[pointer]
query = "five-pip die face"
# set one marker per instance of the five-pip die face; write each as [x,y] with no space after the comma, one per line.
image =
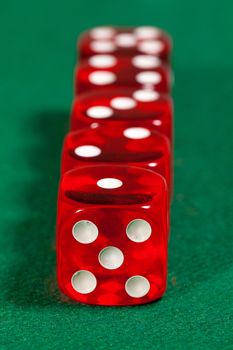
[112,235]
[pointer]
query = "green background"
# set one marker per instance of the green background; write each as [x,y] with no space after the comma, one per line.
[37,54]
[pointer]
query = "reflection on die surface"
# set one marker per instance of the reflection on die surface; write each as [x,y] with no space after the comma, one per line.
[112,234]
[134,146]
[125,41]
[125,106]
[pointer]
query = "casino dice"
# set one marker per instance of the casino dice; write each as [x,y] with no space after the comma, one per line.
[108,71]
[112,235]
[117,169]
[125,41]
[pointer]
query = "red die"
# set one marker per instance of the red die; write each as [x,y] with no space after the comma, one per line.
[125,41]
[130,146]
[127,107]
[108,71]
[112,235]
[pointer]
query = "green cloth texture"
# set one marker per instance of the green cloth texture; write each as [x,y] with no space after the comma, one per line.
[37,56]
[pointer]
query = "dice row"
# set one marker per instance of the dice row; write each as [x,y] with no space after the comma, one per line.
[116,169]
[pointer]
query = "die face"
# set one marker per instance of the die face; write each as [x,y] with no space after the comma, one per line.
[83,185]
[108,71]
[123,107]
[131,146]
[125,41]
[126,258]
[105,237]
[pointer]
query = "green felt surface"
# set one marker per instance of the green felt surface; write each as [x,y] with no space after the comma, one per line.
[37,55]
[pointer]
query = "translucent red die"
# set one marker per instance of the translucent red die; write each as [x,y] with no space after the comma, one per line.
[108,71]
[134,146]
[127,107]
[125,41]
[112,235]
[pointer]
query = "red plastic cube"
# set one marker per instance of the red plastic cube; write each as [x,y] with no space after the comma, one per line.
[135,146]
[127,107]
[112,235]
[125,41]
[108,71]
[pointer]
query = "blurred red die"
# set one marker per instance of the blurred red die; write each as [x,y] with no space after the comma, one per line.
[125,41]
[127,107]
[108,71]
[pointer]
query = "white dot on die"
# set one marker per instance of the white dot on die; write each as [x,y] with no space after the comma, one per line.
[136,133]
[137,286]
[146,95]
[87,151]
[109,183]
[83,281]
[102,46]
[85,231]
[147,32]
[111,258]
[138,230]
[125,40]
[151,46]
[102,78]
[122,103]
[99,112]
[102,32]
[102,61]
[146,61]
[148,77]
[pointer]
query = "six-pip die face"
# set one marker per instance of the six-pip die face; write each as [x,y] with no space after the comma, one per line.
[127,107]
[125,41]
[112,235]
[109,71]
[134,146]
